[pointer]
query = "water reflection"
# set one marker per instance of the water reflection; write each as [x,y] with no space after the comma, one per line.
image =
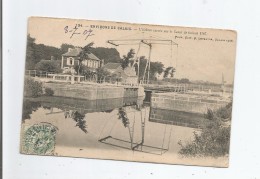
[124,122]
[122,116]
[178,118]
[76,109]
[80,119]
[29,107]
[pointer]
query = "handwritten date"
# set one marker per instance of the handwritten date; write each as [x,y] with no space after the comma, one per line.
[79,29]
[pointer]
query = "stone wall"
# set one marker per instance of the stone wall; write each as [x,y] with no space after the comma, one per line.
[88,92]
[180,103]
[95,91]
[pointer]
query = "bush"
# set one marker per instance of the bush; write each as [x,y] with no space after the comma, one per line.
[221,113]
[224,112]
[212,141]
[209,115]
[214,138]
[32,88]
[49,92]
[49,66]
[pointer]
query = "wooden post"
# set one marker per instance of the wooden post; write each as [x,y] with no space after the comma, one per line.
[72,79]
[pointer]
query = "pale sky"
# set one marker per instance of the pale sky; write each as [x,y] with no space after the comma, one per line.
[194,59]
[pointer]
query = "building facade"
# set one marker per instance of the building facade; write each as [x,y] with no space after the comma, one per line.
[127,76]
[71,58]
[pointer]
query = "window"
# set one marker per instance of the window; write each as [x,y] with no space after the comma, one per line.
[70,61]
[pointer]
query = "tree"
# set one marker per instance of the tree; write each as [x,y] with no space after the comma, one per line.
[175,80]
[48,66]
[101,74]
[84,70]
[155,67]
[84,54]
[65,47]
[36,52]
[169,71]
[80,121]
[126,58]
[110,55]
[122,115]
[29,63]
[46,52]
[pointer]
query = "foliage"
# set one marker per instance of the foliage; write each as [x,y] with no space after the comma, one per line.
[36,52]
[30,54]
[183,80]
[224,112]
[110,55]
[221,113]
[65,47]
[84,70]
[175,80]
[49,92]
[209,115]
[81,122]
[206,83]
[28,108]
[123,116]
[155,68]
[126,58]
[32,88]
[214,138]
[46,52]
[169,71]
[84,54]
[101,74]
[213,141]
[48,65]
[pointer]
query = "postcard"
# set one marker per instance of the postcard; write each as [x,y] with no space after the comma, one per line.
[131,92]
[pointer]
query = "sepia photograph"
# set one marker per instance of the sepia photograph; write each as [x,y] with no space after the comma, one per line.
[131,92]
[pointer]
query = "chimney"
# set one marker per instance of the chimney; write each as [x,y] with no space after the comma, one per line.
[69,49]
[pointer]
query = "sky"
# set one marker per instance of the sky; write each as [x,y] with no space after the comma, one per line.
[196,53]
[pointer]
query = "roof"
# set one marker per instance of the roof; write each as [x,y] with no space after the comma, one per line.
[112,66]
[76,52]
[73,52]
[129,71]
[93,57]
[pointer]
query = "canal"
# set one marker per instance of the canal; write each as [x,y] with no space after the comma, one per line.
[112,128]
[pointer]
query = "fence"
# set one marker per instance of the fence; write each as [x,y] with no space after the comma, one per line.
[187,87]
[37,73]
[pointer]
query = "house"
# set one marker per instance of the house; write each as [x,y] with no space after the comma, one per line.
[71,58]
[127,76]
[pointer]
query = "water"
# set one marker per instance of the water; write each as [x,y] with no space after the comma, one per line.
[98,128]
